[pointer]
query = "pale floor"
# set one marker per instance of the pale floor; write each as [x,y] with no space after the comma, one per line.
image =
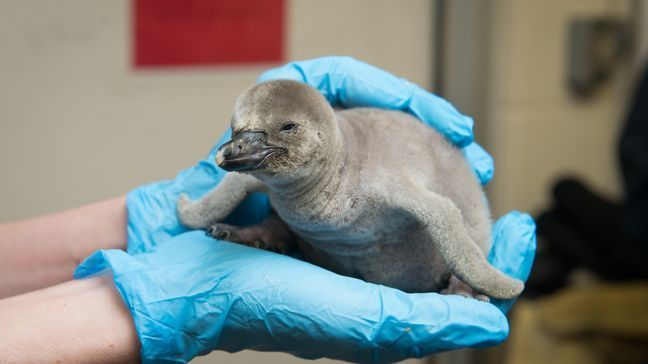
[254,357]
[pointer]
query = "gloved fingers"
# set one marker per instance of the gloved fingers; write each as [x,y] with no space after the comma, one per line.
[391,326]
[152,216]
[436,323]
[480,161]
[347,82]
[338,317]
[193,294]
[513,250]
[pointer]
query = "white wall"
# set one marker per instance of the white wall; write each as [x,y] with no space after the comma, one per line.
[536,130]
[77,124]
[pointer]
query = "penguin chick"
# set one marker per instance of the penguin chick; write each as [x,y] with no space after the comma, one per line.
[369,193]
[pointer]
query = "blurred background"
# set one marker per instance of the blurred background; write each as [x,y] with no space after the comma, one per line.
[90,108]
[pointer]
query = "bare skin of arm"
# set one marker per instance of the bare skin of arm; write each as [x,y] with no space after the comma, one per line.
[82,321]
[43,251]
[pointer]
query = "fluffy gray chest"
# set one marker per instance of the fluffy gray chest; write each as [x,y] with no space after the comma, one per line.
[365,239]
[343,224]
[320,215]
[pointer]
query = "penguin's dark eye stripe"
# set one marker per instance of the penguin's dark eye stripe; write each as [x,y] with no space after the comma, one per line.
[288,127]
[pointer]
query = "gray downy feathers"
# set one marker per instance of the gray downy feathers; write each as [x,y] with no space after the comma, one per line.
[370,193]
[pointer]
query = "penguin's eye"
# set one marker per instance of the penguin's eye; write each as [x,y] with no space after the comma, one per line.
[288,127]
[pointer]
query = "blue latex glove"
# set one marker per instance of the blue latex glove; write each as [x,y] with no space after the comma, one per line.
[212,303]
[347,82]
[192,294]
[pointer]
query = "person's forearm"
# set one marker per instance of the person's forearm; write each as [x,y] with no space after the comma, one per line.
[83,321]
[43,251]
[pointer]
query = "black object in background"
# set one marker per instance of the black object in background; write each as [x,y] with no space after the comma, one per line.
[633,156]
[585,230]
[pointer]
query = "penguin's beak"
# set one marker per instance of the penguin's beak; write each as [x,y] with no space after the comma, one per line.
[248,150]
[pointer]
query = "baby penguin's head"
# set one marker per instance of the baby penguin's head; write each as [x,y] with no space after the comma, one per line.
[280,129]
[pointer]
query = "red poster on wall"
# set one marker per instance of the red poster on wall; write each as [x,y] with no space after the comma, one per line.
[207,32]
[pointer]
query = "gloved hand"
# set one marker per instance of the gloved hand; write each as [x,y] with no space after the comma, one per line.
[193,294]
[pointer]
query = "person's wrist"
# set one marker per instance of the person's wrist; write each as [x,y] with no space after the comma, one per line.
[83,319]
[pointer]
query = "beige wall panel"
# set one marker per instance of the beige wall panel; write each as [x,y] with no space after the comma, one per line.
[543,148]
[393,35]
[537,40]
[536,129]
[77,124]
